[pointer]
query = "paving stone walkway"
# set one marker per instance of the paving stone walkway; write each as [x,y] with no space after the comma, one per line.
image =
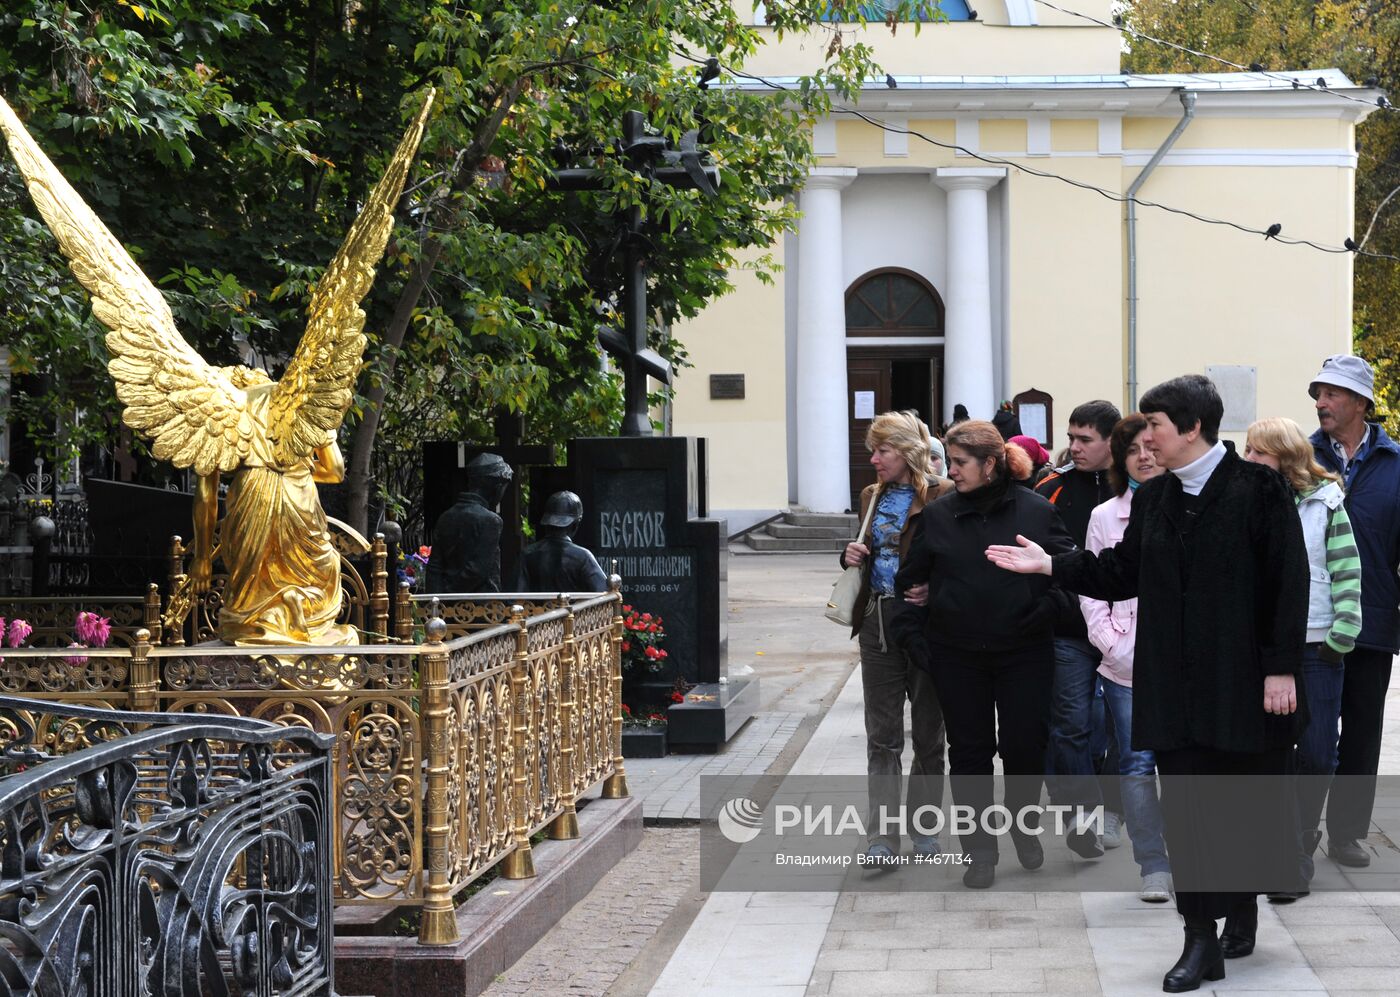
[814,944]
[669,787]
[594,942]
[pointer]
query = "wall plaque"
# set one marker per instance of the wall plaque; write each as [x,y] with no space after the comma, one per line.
[726,385]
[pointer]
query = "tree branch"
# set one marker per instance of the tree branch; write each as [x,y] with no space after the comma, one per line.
[360,466]
[1370,228]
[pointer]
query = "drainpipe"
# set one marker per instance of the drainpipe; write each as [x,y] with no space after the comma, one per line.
[1188,104]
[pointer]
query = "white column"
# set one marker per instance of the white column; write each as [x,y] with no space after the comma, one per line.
[967,349]
[823,429]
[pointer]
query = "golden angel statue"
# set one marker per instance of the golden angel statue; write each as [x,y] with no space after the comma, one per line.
[276,439]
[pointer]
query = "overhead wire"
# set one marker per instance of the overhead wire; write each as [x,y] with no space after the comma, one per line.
[1104,192]
[1125,28]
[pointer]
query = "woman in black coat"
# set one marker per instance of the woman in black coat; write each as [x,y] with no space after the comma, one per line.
[986,636]
[1214,554]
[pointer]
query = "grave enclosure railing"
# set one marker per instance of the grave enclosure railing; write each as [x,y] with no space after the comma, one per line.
[149,854]
[449,754]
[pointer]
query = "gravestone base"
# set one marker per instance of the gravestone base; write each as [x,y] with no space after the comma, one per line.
[712,713]
[643,742]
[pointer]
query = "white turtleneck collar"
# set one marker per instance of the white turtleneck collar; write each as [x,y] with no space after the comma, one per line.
[1194,475]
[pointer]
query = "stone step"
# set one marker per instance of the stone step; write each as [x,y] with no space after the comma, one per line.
[759,541]
[845,520]
[784,531]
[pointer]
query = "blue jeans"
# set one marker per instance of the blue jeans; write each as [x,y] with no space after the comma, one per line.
[1071,722]
[1316,757]
[1138,782]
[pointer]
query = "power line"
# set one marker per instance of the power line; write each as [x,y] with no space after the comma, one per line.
[1045,174]
[1123,27]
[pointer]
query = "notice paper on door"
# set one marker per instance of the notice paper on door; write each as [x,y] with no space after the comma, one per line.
[865,404]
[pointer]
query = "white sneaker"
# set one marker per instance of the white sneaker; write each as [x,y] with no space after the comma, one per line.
[1112,829]
[1156,888]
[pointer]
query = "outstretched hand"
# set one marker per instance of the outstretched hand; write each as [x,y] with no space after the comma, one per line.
[1027,559]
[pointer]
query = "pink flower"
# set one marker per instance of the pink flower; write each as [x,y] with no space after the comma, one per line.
[93,630]
[75,660]
[19,631]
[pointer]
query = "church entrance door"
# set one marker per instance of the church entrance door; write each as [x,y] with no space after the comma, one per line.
[894,357]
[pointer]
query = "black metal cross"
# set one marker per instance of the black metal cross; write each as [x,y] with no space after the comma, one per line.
[650,156]
[510,427]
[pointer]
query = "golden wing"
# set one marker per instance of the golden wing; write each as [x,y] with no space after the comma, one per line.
[311,399]
[196,417]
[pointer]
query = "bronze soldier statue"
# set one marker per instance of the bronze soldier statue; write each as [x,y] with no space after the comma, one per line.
[554,563]
[467,537]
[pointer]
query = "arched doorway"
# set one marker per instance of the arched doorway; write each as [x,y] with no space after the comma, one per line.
[894,356]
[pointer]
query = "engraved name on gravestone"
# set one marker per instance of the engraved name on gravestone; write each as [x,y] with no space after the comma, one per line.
[658,574]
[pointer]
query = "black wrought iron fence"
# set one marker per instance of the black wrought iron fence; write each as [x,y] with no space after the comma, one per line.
[143,853]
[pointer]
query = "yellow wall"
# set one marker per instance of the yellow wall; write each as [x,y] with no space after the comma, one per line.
[740,333]
[960,48]
[1065,274]
[1070,135]
[1239,133]
[1211,295]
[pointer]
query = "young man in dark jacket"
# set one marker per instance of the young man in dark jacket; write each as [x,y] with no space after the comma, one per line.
[1074,490]
[1369,463]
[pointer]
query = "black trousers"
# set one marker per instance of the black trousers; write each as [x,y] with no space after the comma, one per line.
[1353,793]
[1229,820]
[994,703]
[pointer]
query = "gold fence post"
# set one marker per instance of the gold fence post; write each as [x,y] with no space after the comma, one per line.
[143,679]
[565,826]
[403,614]
[438,924]
[520,863]
[379,590]
[615,785]
[176,636]
[152,611]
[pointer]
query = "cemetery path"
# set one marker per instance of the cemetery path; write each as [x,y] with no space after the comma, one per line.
[812,944]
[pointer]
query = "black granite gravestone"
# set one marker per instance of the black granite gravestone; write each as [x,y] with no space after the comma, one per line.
[644,517]
[131,528]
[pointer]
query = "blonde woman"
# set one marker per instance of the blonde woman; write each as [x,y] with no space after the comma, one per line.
[1334,610]
[900,450]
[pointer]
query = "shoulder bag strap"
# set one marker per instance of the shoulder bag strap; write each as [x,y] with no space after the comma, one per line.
[869,514]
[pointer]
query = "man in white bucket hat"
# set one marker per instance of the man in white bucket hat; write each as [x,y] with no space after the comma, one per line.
[1369,464]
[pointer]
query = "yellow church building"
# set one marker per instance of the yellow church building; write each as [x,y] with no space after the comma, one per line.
[922,276]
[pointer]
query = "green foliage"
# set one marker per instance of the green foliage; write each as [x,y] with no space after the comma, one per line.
[230,142]
[1363,40]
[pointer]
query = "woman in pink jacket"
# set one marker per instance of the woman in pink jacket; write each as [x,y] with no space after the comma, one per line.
[1113,630]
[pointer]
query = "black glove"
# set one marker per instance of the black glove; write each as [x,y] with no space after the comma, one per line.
[1330,654]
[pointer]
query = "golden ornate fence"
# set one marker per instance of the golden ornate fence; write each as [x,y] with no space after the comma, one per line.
[450,754]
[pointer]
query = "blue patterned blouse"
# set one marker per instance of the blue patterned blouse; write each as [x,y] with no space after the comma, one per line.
[889,519]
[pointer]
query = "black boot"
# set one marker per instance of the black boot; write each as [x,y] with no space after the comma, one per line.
[1238,937]
[1200,959]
